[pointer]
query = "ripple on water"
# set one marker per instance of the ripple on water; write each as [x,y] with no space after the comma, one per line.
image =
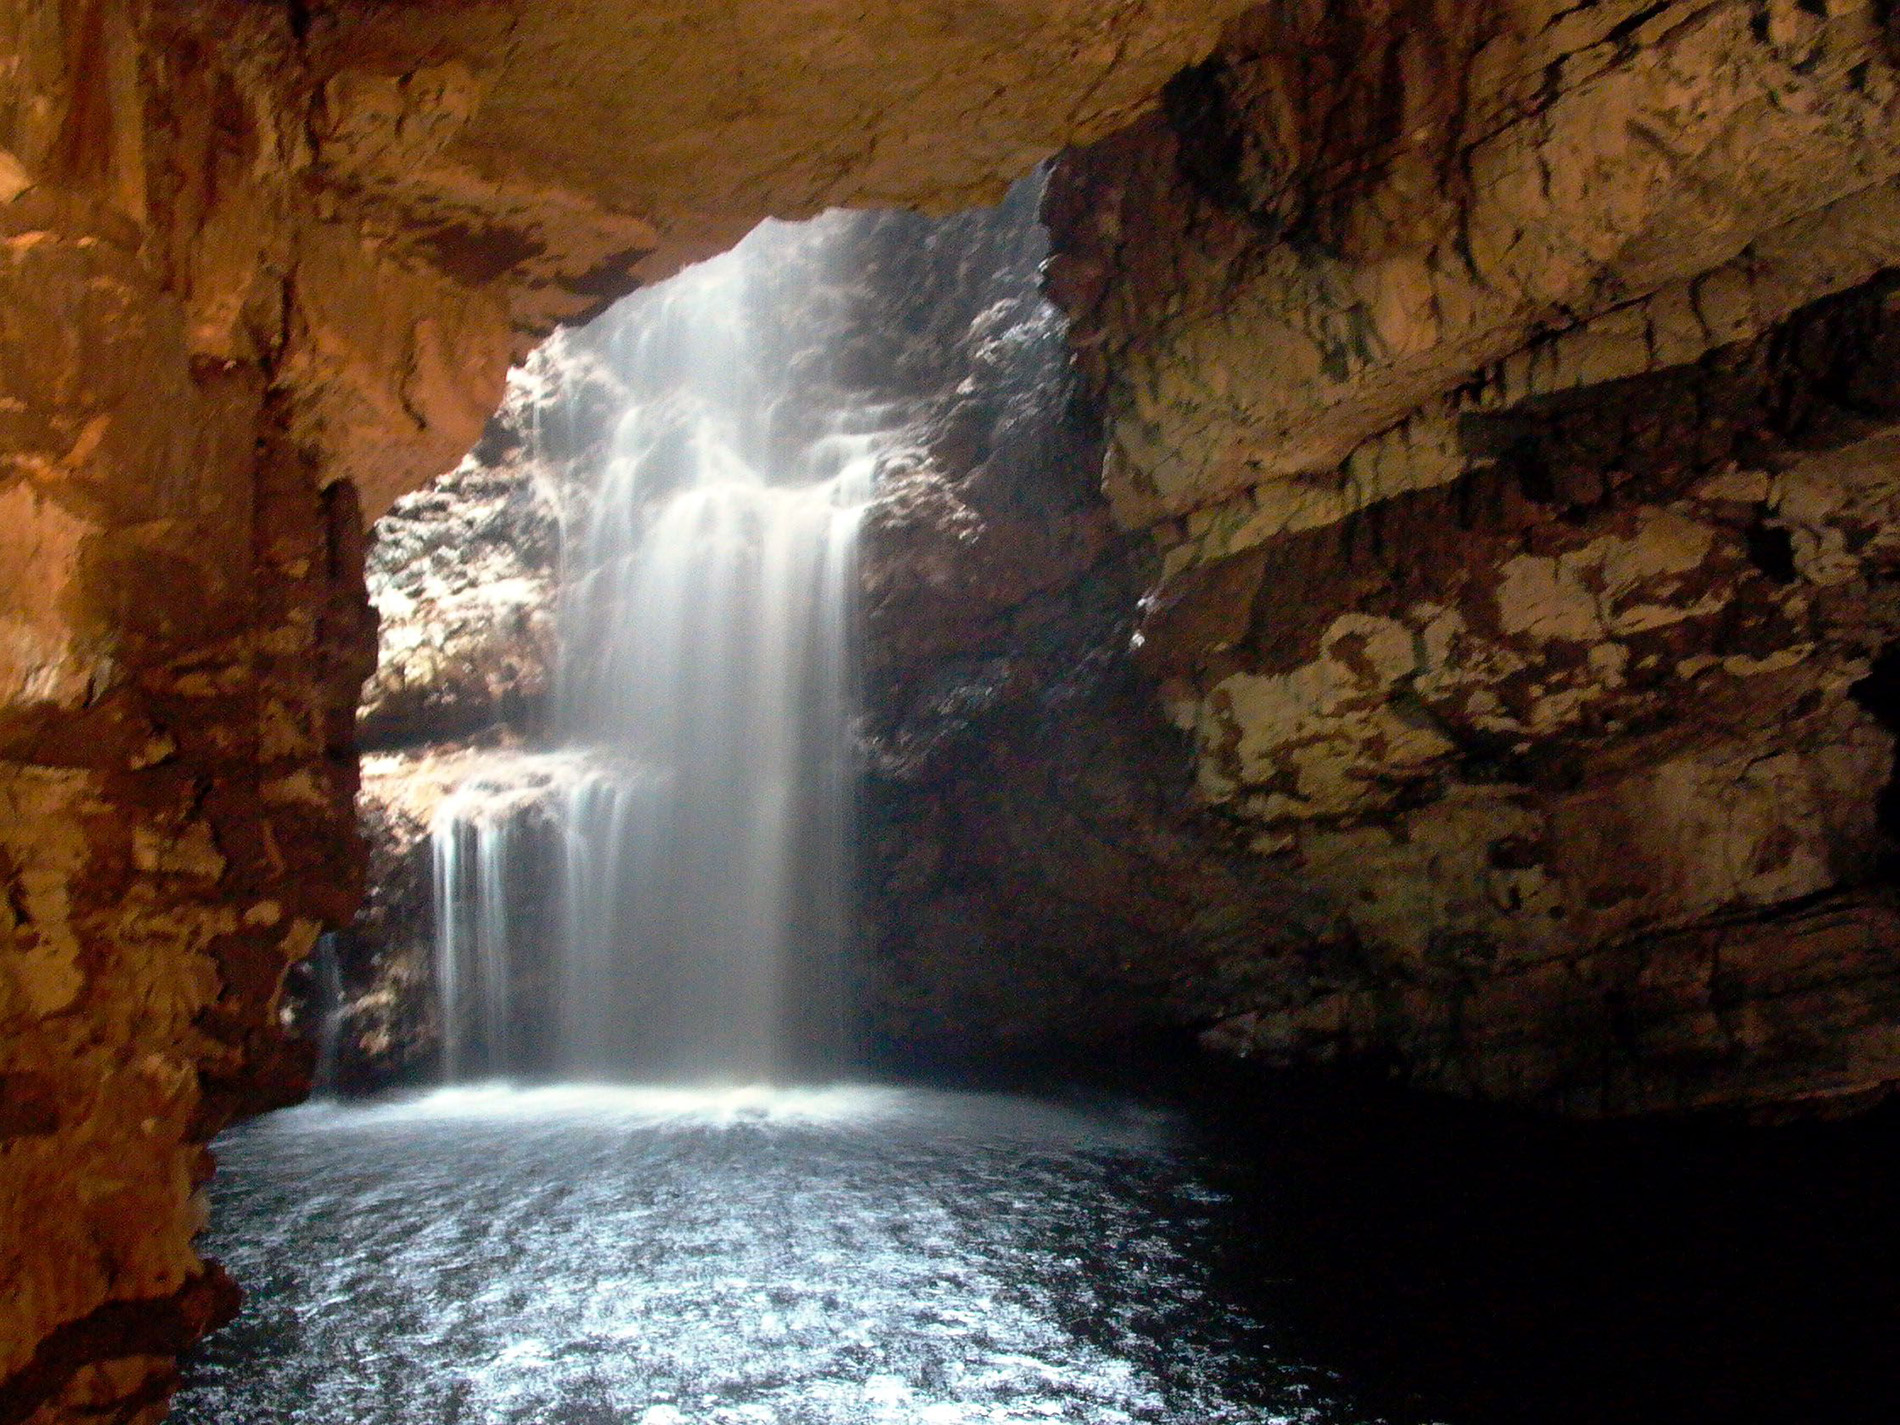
[581,1255]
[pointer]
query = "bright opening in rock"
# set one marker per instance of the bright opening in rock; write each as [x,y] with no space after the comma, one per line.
[1047,813]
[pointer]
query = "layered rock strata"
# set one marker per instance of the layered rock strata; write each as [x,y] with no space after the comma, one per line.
[265,268]
[1505,389]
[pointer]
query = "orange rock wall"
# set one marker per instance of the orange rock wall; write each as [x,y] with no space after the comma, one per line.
[182,633]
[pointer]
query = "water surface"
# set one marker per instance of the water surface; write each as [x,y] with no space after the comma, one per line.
[667,1256]
[652,1257]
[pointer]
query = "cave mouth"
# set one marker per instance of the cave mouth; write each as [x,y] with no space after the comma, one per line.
[617,744]
[621,1233]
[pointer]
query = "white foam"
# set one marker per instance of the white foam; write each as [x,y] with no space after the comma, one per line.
[933,1113]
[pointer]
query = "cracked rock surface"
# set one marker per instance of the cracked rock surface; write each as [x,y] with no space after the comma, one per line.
[1506,392]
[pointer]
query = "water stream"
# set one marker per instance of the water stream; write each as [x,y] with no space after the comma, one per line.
[701,786]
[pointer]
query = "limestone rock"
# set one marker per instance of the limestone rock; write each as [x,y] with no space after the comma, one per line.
[1519,490]
[462,577]
[1614,184]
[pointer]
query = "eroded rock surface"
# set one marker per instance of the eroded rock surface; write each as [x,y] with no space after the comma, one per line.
[1357,223]
[462,577]
[1505,388]
[1039,875]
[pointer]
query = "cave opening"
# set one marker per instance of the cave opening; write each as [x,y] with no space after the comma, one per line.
[1365,771]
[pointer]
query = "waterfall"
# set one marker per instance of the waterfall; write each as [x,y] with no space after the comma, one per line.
[330,1008]
[701,793]
[476,872]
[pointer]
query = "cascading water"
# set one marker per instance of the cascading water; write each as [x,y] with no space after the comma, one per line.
[477,869]
[703,790]
[329,1003]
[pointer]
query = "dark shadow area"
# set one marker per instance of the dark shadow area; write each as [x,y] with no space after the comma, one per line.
[1470,1265]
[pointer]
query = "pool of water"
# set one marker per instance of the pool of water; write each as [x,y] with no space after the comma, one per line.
[579,1256]
[732,1258]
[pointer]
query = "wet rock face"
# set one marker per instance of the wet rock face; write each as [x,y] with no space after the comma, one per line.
[265,269]
[383,1008]
[1520,499]
[1039,877]
[462,576]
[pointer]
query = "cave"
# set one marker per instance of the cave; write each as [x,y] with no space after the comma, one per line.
[1177,710]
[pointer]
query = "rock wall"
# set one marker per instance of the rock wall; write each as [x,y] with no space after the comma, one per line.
[1505,389]
[183,636]
[1040,878]
[265,268]
[462,577]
